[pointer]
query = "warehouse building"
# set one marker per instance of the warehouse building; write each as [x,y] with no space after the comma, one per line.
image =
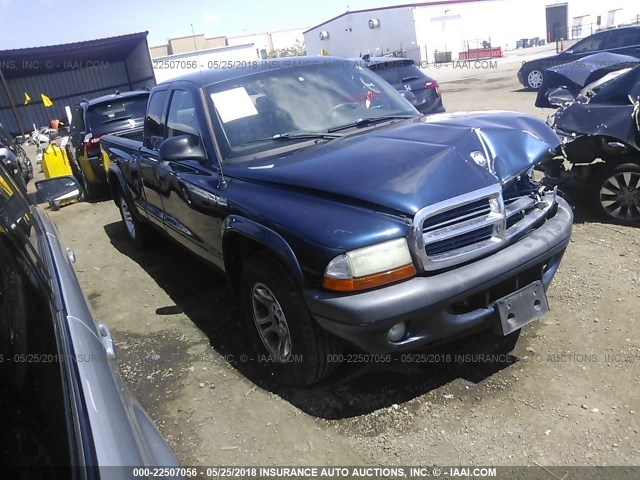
[442,30]
[264,44]
[66,74]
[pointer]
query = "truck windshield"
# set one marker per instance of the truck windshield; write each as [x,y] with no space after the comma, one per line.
[258,111]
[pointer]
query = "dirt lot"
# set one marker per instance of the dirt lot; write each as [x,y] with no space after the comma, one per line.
[567,396]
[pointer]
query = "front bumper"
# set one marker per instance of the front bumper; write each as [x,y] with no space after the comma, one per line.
[446,305]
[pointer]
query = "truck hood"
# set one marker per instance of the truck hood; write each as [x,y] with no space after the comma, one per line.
[414,163]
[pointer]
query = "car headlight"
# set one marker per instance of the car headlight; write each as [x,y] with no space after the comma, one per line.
[370,267]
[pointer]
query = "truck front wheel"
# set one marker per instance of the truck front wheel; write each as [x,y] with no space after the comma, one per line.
[295,348]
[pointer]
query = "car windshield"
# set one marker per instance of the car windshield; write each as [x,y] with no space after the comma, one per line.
[102,115]
[397,72]
[266,109]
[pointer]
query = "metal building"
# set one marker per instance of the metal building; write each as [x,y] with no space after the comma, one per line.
[429,30]
[68,73]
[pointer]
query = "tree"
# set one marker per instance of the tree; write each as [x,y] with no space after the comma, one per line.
[297,50]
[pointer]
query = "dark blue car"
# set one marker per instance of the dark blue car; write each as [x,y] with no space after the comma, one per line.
[623,40]
[341,216]
[402,74]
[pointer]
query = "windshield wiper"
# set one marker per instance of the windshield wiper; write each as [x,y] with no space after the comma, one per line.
[295,136]
[407,79]
[305,135]
[126,117]
[363,122]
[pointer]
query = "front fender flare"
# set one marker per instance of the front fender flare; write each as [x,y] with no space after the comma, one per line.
[266,237]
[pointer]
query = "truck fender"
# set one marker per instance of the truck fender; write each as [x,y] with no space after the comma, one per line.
[263,236]
[117,182]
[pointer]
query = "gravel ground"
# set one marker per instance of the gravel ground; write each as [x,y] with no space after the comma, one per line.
[566,396]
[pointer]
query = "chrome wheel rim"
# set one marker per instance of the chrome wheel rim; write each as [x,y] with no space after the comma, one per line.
[270,322]
[620,196]
[127,218]
[535,79]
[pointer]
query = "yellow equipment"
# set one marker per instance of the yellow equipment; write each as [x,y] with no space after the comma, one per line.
[55,162]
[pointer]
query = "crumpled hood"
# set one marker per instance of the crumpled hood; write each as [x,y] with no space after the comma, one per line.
[576,75]
[605,114]
[412,164]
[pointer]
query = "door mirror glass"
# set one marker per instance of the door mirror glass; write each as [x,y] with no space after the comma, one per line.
[58,191]
[559,96]
[182,147]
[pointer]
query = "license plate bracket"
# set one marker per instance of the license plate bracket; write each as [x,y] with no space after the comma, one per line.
[522,307]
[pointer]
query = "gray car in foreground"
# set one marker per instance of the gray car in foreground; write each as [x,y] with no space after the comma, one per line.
[64,410]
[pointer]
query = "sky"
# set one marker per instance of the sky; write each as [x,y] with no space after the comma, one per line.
[33,23]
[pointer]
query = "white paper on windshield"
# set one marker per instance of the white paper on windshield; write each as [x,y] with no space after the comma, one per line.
[233,104]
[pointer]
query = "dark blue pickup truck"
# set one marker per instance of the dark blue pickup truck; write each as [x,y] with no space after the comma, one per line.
[339,214]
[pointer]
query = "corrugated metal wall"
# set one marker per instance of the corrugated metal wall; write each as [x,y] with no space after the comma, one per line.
[70,86]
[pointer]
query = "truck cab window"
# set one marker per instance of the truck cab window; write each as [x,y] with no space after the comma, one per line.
[154,124]
[182,119]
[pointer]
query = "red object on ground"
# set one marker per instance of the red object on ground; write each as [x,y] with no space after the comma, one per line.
[478,53]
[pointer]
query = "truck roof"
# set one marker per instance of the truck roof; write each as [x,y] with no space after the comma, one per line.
[250,67]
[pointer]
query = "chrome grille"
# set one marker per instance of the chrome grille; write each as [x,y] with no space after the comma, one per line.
[473,225]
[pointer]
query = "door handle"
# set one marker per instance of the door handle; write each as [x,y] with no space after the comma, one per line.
[107,341]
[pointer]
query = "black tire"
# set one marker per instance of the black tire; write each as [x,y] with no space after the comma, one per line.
[506,344]
[307,358]
[615,192]
[534,79]
[138,232]
[92,191]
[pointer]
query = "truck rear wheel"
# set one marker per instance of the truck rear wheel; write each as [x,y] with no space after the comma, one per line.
[295,348]
[139,233]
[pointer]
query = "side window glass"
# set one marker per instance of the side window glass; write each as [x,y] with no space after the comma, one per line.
[624,38]
[182,119]
[591,44]
[154,124]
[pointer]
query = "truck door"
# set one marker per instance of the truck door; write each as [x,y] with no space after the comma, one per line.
[194,208]
[154,134]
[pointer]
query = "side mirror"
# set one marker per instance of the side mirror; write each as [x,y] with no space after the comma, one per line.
[559,96]
[406,94]
[182,147]
[58,191]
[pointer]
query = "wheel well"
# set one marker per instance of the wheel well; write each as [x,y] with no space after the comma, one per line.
[587,149]
[114,185]
[237,249]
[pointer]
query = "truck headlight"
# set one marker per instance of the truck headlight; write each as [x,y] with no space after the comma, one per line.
[370,267]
